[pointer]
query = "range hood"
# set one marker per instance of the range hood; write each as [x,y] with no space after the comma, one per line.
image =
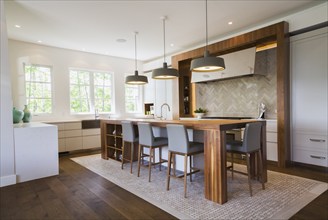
[237,64]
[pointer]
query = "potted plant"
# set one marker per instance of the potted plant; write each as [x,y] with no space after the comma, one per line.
[200,112]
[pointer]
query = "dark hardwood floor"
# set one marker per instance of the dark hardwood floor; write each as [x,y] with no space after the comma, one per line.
[77,193]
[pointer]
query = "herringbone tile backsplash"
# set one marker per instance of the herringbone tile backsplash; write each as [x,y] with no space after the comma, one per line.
[242,96]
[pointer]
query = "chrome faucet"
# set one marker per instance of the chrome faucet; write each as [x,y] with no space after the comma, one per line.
[168,107]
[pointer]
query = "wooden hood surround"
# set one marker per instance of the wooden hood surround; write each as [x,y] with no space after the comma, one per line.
[274,33]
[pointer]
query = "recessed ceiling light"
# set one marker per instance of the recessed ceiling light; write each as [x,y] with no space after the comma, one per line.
[172,44]
[121,40]
[230,22]
[18,26]
[39,41]
[83,49]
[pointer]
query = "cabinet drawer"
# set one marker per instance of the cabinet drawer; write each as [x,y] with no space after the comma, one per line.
[310,157]
[61,134]
[73,133]
[272,151]
[74,143]
[272,137]
[73,125]
[91,142]
[94,131]
[310,141]
[271,125]
[61,145]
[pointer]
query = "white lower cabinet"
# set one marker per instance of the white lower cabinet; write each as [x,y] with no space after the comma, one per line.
[272,140]
[72,137]
[91,138]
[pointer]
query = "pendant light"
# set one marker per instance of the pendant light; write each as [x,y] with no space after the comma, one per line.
[207,63]
[164,72]
[136,79]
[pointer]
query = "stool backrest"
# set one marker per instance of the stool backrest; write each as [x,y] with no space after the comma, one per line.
[252,137]
[178,138]
[128,131]
[146,135]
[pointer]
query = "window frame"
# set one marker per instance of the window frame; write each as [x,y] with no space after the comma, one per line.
[91,92]
[52,92]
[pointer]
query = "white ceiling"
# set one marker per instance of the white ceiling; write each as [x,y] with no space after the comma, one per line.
[94,26]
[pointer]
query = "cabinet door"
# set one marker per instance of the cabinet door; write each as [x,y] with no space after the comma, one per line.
[92,141]
[309,81]
[73,143]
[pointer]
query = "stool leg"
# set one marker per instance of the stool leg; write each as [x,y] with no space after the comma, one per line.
[190,165]
[160,159]
[174,165]
[261,168]
[185,175]
[122,162]
[249,173]
[168,176]
[151,151]
[231,165]
[139,158]
[131,159]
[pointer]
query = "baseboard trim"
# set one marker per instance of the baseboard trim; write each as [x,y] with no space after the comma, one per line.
[7,180]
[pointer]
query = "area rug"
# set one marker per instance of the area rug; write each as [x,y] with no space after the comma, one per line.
[284,195]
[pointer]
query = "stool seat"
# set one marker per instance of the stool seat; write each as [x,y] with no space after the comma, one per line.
[159,141]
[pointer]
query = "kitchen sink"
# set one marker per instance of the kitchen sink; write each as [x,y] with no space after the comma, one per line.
[90,123]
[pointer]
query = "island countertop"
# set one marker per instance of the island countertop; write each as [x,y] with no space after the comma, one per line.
[215,172]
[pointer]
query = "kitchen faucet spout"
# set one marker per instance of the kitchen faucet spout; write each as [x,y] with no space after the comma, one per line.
[168,107]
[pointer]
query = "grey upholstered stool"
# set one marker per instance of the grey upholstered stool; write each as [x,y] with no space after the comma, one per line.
[147,139]
[179,144]
[251,144]
[128,136]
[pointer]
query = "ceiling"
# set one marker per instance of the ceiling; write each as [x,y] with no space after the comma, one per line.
[95,26]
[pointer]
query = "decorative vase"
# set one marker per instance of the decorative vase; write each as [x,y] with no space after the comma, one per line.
[199,115]
[27,115]
[17,115]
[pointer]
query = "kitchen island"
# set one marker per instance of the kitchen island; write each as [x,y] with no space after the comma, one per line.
[215,172]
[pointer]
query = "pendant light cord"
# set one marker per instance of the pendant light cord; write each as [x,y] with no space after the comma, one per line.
[135,49]
[206,25]
[164,38]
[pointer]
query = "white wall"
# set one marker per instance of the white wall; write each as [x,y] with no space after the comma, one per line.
[7,165]
[61,60]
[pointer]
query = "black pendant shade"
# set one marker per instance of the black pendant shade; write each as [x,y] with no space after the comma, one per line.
[207,63]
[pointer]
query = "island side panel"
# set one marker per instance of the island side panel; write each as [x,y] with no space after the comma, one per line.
[215,174]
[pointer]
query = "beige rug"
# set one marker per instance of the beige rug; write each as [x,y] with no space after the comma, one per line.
[283,196]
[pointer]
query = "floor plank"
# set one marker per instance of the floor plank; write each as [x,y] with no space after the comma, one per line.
[77,193]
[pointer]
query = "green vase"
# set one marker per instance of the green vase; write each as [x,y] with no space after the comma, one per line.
[27,115]
[17,115]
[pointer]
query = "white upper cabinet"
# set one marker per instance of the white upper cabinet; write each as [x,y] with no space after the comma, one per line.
[237,64]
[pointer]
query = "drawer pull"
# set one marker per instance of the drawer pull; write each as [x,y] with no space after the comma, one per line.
[317,157]
[317,140]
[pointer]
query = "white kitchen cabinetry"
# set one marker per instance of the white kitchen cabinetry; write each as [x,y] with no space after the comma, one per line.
[91,138]
[149,89]
[272,140]
[72,137]
[36,151]
[309,97]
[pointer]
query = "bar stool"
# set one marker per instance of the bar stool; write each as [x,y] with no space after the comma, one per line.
[179,144]
[128,136]
[251,144]
[147,139]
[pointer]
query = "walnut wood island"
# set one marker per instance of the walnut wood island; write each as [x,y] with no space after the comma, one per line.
[215,174]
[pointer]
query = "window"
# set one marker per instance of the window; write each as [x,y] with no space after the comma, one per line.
[38,88]
[90,90]
[132,98]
